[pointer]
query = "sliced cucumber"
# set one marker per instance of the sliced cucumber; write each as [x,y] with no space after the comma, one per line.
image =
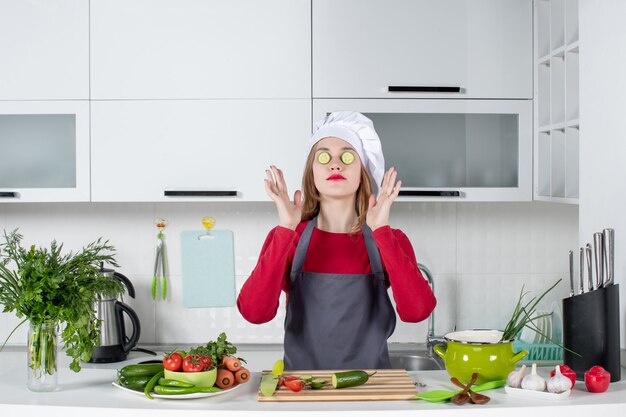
[349,379]
[306,378]
[347,157]
[317,383]
[324,158]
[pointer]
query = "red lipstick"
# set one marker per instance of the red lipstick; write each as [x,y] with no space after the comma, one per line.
[336,177]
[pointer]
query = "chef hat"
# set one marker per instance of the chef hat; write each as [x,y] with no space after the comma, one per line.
[359,132]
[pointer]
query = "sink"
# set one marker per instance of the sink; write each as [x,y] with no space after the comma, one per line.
[414,361]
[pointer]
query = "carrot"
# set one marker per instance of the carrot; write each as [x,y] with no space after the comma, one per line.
[232,364]
[242,375]
[225,378]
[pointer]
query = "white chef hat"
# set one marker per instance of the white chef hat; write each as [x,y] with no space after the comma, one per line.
[359,132]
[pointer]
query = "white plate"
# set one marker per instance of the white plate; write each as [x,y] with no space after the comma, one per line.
[178,397]
[540,395]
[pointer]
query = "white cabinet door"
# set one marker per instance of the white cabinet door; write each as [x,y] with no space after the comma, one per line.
[452,150]
[45,151]
[44,49]
[185,49]
[191,148]
[362,47]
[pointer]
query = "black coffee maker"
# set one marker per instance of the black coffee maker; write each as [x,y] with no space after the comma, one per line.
[114,343]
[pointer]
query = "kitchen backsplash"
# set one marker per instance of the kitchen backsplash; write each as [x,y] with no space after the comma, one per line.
[479,253]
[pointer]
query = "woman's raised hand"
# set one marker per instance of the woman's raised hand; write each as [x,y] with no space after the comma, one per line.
[378,210]
[289,213]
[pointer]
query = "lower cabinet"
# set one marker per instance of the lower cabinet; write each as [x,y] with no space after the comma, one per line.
[195,150]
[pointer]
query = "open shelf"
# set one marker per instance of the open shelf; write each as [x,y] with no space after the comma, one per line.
[557,109]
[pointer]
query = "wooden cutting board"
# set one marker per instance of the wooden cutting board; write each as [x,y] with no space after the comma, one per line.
[386,384]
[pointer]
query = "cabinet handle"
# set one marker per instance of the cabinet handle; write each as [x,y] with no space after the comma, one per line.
[200,193]
[8,194]
[433,193]
[422,89]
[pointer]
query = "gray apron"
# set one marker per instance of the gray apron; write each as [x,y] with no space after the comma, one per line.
[337,321]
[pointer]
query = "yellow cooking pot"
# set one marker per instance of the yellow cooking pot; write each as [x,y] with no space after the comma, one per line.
[478,351]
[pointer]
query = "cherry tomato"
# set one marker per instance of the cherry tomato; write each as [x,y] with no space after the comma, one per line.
[597,379]
[568,372]
[173,361]
[205,361]
[190,364]
[295,384]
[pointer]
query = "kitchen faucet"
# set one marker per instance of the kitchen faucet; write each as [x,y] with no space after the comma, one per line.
[431,339]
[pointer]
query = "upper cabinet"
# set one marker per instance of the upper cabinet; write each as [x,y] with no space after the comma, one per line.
[422,49]
[195,49]
[44,49]
[195,150]
[557,139]
[452,150]
[45,151]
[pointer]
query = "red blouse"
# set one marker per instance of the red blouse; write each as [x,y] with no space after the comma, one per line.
[340,253]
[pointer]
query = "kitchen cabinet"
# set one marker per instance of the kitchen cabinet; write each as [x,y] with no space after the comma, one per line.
[200,49]
[452,150]
[557,136]
[45,151]
[362,48]
[44,47]
[195,150]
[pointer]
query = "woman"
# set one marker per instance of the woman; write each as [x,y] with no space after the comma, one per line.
[335,255]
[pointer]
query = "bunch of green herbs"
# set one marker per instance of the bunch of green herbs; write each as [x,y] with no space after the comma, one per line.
[524,315]
[45,286]
[216,349]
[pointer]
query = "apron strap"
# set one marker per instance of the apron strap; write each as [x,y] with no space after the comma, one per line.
[305,239]
[303,247]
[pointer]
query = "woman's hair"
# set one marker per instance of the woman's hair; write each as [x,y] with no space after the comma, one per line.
[311,196]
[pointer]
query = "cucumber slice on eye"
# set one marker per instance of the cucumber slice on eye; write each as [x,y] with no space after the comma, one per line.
[323,158]
[347,158]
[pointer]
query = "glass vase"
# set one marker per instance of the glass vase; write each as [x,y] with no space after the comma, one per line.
[42,356]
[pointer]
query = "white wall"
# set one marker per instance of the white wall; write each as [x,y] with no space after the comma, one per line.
[603,141]
[480,254]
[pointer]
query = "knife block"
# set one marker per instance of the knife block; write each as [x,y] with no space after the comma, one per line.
[591,329]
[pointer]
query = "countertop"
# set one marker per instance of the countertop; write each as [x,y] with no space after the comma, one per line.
[90,392]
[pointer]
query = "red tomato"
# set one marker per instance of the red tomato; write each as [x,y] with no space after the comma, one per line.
[205,361]
[173,361]
[289,378]
[294,385]
[597,379]
[190,364]
[568,372]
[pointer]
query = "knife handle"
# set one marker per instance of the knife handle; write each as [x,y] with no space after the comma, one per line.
[609,255]
[598,246]
[571,273]
[581,271]
[589,268]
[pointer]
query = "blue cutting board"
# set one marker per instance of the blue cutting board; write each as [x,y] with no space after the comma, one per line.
[208,268]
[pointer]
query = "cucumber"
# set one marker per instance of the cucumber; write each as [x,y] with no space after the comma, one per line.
[148,369]
[174,383]
[347,158]
[136,383]
[317,383]
[349,379]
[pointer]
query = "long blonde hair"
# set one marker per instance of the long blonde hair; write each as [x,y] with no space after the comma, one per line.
[311,196]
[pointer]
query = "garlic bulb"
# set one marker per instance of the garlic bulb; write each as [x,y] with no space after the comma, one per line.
[559,383]
[514,380]
[533,381]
